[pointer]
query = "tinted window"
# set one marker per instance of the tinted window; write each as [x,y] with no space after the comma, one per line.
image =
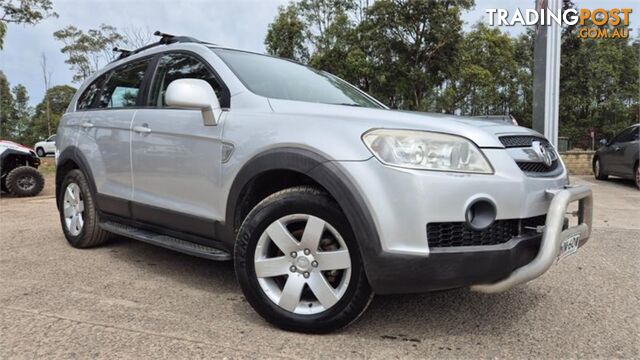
[123,85]
[86,99]
[282,79]
[180,66]
[626,135]
[52,138]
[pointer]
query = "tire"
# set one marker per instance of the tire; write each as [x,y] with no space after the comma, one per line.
[597,170]
[84,232]
[350,291]
[40,152]
[636,175]
[24,181]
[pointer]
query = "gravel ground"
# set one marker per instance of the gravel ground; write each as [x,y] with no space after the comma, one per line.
[132,300]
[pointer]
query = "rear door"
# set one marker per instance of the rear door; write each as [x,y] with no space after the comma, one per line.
[176,158]
[104,137]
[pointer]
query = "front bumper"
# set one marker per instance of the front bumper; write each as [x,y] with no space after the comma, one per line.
[402,202]
[553,236]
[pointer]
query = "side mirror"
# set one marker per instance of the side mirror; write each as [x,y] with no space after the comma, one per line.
[603,142]
[194,94]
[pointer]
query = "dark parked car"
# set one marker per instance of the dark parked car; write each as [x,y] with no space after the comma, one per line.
[619,157]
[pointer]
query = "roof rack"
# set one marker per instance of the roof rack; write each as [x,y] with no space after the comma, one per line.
[165,39]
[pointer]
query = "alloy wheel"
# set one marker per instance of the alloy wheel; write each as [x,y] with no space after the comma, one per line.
[302,264]
[73,207]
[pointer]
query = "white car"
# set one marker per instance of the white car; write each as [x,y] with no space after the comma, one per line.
[45,147]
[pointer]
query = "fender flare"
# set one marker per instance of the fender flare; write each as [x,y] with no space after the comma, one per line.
[328,174]
[72,154]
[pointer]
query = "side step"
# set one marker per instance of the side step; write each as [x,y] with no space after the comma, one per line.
[165,241]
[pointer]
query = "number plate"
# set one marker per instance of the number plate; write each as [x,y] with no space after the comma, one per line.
[569,246]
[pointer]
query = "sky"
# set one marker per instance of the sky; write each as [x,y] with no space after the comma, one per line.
[235,23]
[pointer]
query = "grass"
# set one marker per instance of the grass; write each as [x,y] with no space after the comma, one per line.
[47,166]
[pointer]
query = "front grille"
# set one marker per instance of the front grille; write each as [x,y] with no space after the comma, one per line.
[537,167]
[532,168]
[451,234]
[521,141]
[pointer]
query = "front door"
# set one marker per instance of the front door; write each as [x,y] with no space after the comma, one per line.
[176,159]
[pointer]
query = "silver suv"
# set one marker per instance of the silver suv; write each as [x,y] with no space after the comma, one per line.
[320,194]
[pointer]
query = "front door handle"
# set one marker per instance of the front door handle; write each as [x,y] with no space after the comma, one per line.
[86,125]
[144,129]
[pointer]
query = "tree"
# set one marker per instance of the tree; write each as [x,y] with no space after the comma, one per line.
[413,43]
[29,12]
[58,99]
[88,51]
[22,116]
[285,35]
[7,108]
[46,75]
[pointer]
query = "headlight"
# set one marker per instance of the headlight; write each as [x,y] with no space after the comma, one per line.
[426,151]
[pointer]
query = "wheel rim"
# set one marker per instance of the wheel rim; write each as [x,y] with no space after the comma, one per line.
[597,167]
[26,183]
[638,176]
[73,208]
[40,152]
[302,264]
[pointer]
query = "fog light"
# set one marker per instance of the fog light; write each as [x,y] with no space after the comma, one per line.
[480,214]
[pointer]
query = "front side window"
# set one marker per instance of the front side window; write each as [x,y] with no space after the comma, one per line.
[180,66]
[283,79]
[52,138]
[627,135]
[86,100]
[123,85]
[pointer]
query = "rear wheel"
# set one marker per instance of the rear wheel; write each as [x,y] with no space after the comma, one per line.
[24,181]
[298,263]
[597,170]
[636,175]
[78,213]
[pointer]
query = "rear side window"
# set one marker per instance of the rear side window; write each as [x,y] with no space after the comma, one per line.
[123,85]
[87,98]
[180,66]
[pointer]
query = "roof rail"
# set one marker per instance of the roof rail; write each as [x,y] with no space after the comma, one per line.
[165,39]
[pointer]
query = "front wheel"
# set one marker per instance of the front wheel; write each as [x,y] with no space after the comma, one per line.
[636,175]
[597,170]
[40,152]
[298,263]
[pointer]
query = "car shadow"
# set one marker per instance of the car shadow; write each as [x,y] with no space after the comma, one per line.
[404,318]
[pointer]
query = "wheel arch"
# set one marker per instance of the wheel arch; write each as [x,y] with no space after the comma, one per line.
[316,170]
[68,160]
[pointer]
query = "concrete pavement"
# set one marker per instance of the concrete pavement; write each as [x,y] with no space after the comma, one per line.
[133,300]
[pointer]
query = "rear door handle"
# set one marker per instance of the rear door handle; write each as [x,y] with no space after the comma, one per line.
[144,129]
[86,125]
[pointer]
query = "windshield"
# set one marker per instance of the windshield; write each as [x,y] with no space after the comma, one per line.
[282,79]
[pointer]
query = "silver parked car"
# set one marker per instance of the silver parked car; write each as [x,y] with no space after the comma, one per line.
[619,157]
[320,194]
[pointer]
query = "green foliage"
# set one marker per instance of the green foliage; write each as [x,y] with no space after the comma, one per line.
[413,54]
[59,98]
[7,107]
[285,35]
[29,12]
[88,51]
[22,123]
